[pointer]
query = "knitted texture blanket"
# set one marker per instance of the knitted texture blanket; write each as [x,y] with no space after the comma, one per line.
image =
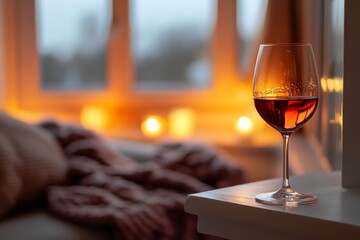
[138,200]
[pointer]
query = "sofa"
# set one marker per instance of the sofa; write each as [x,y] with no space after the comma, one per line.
[58,181]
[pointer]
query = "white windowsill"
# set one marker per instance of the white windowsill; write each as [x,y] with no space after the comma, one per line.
[232,212]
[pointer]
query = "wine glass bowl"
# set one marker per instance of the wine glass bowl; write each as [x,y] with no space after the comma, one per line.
[286,93]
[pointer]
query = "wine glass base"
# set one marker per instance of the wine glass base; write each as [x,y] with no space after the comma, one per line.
[285,196]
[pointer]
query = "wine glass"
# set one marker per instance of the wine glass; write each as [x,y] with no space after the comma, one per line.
[286,93]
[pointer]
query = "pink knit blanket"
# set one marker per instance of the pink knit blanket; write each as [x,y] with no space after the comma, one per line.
[139,200]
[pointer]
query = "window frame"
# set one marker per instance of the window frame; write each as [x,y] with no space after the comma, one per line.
[120,92]
[27,84]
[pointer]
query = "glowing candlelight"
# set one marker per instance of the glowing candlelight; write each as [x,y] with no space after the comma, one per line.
[244,125]
[94,118]
[181,123]
[153,126]
[332,84]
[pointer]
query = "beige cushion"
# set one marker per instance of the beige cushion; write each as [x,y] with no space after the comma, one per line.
[30,161]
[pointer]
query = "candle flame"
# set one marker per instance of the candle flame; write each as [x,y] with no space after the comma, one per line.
[244,125]
[153,126]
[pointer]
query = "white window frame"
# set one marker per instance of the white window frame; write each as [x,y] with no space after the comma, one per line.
[26,94]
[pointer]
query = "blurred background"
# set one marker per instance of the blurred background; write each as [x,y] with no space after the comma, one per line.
[171,70]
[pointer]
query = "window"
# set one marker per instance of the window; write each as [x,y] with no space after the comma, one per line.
[167,54]
[332,82]
[129,37]
[72,50]
[206,79]
[32,88]
[250,21]
[176,53]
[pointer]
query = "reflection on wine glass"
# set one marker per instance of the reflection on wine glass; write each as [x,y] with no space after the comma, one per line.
[286,92]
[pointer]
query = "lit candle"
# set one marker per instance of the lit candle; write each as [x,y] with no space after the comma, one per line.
[153,126]
[244,125]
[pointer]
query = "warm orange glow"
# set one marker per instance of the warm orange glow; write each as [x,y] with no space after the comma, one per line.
[153,126]
[332,84]
[338,119]
[94,118]
[26,116]
[181,123]
[244,125]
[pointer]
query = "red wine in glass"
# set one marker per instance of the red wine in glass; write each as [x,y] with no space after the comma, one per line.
[286,114]
[285,91]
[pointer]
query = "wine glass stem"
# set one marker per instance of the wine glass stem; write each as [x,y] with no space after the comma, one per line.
[286,183]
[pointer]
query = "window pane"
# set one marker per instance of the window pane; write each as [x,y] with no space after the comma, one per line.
[332,82]
[72,36]
[170,43]
[249,20]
